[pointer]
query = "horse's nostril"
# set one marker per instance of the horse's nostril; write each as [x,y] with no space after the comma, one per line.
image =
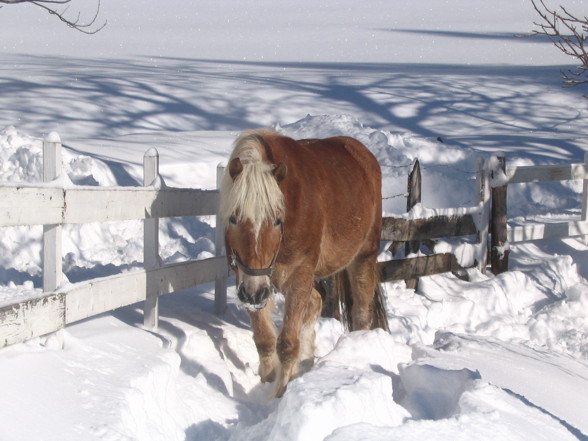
[242,294]
[262,295]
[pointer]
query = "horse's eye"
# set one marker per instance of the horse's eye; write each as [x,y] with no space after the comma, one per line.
[233,220]
[278,222]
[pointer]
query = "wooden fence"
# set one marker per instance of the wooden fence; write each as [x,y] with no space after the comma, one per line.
[487,221]
[52,206]
[445,223]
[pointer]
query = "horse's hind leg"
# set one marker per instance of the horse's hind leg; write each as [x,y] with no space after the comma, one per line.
[264,336]
[363,280]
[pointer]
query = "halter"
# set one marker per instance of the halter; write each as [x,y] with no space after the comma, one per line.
[236,261]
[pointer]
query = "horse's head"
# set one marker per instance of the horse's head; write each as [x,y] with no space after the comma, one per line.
[253,212]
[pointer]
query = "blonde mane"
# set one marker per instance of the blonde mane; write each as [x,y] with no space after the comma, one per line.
[254,194]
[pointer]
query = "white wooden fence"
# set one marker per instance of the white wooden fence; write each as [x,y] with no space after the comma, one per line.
[515,175]
[52,206]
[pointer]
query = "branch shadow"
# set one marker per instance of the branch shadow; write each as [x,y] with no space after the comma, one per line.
[507,108]
[519,110]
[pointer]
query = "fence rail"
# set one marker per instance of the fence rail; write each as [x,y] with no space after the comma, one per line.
[557,230]
[546,173]
[403,230]
[22,205]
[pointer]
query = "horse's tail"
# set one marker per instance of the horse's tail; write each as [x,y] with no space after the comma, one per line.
[379,316]
[338,301]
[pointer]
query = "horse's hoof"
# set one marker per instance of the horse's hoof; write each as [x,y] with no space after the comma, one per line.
[279,391]
[268,377]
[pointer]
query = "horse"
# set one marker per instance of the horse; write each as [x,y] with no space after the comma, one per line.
[294,212]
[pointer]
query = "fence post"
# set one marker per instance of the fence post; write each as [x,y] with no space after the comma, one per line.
[52,259]
[414,197]
[499,247]
[151,258]
[585,196]
[220,285]
[483,185]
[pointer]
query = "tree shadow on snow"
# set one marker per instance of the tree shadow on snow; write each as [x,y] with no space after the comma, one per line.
[515,109]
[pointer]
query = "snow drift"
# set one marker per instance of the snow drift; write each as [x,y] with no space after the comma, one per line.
[463,360]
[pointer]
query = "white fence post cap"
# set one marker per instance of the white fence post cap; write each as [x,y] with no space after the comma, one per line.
[152,152]
[53,137]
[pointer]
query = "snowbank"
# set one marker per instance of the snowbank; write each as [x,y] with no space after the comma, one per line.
[463,360]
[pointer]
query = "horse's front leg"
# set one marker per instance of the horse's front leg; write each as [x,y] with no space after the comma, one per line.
[307,333]
[264,336]
[297,300]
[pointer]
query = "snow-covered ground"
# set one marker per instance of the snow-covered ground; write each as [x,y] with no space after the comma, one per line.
[446,82]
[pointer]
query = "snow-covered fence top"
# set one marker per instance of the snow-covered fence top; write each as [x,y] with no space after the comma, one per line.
[53,204]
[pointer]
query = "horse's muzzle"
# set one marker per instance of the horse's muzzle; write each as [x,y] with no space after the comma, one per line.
[254,301]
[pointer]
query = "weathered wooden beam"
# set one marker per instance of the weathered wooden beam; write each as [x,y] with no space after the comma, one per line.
[484,199]
[31,318]
[413,267]
[414,198]
[399,229]
[498,246]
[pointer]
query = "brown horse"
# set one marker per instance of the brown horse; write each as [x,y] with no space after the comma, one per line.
[293,212]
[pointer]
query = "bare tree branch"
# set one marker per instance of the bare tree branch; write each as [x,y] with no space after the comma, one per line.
[569,34]
[32,1]
[76,24]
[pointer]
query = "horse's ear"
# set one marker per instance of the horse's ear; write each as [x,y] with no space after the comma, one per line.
[280,171]
[235,168]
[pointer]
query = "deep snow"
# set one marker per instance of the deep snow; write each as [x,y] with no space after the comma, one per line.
[446,82]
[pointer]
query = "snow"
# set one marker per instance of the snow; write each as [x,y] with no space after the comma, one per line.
[53,137]
[444,82]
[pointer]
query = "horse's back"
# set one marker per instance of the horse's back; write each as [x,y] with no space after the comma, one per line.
[333,198]
[353,171]
[336,156]
[340,169]
[361,154]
